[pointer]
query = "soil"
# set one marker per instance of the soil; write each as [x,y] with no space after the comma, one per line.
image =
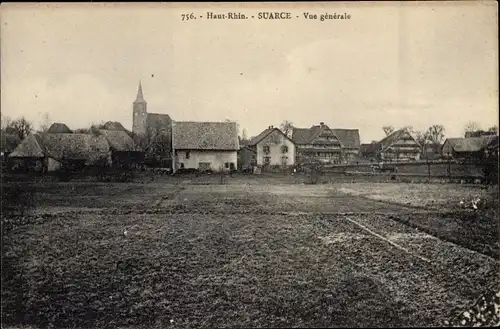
[249,253]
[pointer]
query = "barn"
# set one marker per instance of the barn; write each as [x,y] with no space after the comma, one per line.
[51,151]
[205,145]
[123,152]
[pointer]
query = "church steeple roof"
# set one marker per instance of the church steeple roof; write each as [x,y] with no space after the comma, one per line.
[140,97]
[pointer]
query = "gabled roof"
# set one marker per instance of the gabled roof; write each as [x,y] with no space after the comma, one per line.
[113,125]
[63,146]
[301,135]
[73,146]
[190,135]
[471,144]
[58,128]
[28,148]
[255,140]
[159,121]
[118,140]
[348,137]
[305,136]
[394,137]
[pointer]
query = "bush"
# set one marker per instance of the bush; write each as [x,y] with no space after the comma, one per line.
[15,200]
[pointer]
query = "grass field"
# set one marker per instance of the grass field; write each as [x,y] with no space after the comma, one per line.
[190,252]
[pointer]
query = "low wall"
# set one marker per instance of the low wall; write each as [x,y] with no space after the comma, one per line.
[436,168]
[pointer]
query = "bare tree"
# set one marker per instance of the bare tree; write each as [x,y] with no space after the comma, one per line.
[388,130]
[435,135]
[82,131]
[20,127]
[5,122]
[287,127]
[410,129]
[244,137]
[493,129]
[45,123]
[422,139]
[472,127]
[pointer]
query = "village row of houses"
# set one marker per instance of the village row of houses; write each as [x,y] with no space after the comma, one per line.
[216,146]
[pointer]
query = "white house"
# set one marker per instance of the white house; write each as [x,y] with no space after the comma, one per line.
[273,148]
[204,145]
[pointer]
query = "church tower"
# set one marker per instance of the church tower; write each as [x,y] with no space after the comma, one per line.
[140,115]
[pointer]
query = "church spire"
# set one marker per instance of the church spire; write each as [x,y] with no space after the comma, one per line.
[140,97]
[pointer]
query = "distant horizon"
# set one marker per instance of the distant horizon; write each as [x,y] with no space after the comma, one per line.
[392,64]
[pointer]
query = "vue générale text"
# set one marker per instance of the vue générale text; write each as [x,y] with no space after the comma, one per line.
[278,16]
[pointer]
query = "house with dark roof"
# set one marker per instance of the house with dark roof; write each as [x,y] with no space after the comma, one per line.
[317,144]
[205,145]
[273,148]
[49,151]
[350,143]
[400,145]
[469,147]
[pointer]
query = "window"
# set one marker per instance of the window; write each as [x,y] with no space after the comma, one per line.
[284,149]
[266,149]
[267,160]
[226,164]
[182,165]
[188,154]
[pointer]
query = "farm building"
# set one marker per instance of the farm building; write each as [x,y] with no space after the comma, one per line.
[469,147]
[317,143]
[205,145]
[59,128]
[123,152]
[400,145]
[247,158]
[350,143]
[273,148]
[49,151]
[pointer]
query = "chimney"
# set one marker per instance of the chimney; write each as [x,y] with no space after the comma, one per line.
[321,123]
[270,127]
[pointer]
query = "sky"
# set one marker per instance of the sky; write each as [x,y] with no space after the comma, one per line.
[396,64]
